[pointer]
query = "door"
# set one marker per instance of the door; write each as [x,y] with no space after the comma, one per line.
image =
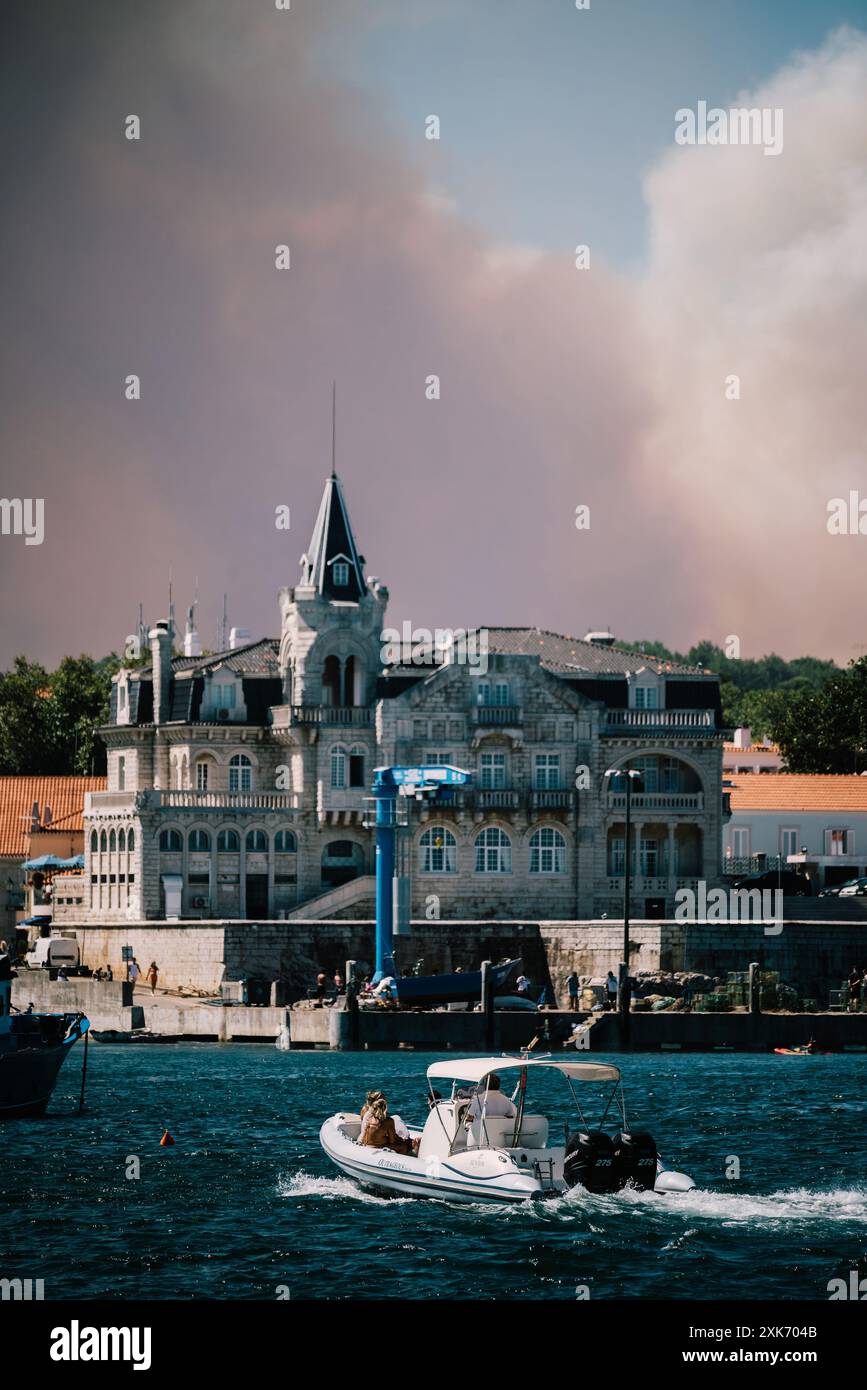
[257,895]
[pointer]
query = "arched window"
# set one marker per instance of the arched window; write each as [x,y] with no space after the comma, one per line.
[170,841]
[547,852]
[112,841]
[94,842]
[240,773]
[228,842]
[257,842]
[438,851]
[199,840]
[493,851]
[285,842]
[121,840]
[130,841]
[103,841]
[338,766]
[356,766]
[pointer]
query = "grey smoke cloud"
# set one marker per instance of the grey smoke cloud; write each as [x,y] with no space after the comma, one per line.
[559,387]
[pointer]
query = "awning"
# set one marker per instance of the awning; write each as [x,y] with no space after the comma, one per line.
[45,861]
[475,1068]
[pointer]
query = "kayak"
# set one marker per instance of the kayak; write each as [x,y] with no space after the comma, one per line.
[798,1052]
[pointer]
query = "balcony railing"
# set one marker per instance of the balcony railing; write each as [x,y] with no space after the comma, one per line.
[323,714]
[691,802]
[686,722]
[502,715]
[550,800]
[185,798]
[497,799]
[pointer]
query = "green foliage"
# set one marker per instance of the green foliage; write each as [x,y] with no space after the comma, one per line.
[825,730]
[48,720]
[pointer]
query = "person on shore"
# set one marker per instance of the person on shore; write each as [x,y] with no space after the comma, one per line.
[109,973]
[62,976]
[152,976]
[611,990]
[854,990]
[133,971]
[321,986]
[523,985]
[572,988]
[339,982]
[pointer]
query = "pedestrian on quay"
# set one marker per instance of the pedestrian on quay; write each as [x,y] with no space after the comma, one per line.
[109,973]
[321,986]
[572,987]
[611,990]
[152,976]
[133,971]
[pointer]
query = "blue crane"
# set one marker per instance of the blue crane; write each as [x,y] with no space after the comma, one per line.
[388,784]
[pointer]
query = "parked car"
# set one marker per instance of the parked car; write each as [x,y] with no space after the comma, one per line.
[855,888]
[793,884]
[50,952]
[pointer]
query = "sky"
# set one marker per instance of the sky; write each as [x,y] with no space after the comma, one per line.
[608,387]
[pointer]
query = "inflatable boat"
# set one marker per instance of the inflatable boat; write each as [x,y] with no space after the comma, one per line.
[464,1154]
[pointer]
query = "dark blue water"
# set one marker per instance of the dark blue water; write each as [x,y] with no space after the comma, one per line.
[246,1202]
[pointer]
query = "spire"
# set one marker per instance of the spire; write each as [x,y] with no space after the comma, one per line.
[332,555]
[334,429]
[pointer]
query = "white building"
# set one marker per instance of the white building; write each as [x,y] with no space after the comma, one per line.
[805,819]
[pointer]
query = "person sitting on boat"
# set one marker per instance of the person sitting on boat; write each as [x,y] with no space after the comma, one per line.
[489,1097]
[403,1141]
[377,1126]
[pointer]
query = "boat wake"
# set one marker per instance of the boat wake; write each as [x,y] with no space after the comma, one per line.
[332,1189]
[792,1208]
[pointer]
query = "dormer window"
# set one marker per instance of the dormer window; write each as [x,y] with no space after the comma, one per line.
[646,697]
[340,571]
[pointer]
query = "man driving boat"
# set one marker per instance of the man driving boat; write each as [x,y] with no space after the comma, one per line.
[491,1100]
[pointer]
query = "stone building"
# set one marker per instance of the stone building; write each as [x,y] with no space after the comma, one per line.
[239,783]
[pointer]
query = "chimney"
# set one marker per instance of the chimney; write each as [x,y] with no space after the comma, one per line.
[192,645]
[161,659]
[743,737]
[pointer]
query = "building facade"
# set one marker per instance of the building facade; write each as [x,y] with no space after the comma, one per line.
[812,821]
[239,783]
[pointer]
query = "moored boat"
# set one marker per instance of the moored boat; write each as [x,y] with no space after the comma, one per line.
[33,1048]
[463,1153]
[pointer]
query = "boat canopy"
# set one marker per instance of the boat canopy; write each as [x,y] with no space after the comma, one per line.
[475,1068]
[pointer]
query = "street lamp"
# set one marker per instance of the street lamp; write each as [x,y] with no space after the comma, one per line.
[632,775]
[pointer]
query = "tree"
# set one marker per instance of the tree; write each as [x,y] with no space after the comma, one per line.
[48,722]
[825,730]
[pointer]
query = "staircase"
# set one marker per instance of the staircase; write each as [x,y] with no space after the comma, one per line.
[335,901]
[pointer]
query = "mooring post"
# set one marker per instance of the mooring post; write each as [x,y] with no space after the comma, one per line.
[352,1004]
[755,989]
[487,1005]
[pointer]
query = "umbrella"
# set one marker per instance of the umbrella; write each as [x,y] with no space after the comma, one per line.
[45,861]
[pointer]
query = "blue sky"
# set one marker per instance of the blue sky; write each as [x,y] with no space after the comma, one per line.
[550,116]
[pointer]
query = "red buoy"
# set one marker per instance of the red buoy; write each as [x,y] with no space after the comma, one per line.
[166,1140]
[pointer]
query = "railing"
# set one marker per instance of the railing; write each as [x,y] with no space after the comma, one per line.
[497,799]
[664,721]
[498,714]
[550,800]
[109,801]
[186,799]
[658,801]
[327,714]
[753,864]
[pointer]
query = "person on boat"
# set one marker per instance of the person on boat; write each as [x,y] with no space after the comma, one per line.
[377,1126]
[489,1097]
[522,984]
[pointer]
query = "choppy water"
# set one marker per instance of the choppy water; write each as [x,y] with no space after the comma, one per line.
[246,1202]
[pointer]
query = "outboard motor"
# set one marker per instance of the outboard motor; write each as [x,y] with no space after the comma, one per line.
[590,1162]
[635,1160]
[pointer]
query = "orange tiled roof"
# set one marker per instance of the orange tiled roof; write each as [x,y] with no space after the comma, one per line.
[791,791]
[65,796]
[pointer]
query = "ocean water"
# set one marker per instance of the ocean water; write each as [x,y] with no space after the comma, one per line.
[245,1204]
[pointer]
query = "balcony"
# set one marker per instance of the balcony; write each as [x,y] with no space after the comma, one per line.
[498,716]
[185,799]
[551,800]
[672,803]
[497,799]
[283,716]
[661,723]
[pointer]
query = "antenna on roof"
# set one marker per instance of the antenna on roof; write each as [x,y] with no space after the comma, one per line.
[333,429]
[224,625]
[171,607]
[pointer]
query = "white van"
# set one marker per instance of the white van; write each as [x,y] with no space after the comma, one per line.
[50,952]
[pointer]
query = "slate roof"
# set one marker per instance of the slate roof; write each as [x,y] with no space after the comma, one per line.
[332,540]
[566,656]
[255,659]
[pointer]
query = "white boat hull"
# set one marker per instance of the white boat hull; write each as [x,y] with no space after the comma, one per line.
[477,1175]
[469,1175]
